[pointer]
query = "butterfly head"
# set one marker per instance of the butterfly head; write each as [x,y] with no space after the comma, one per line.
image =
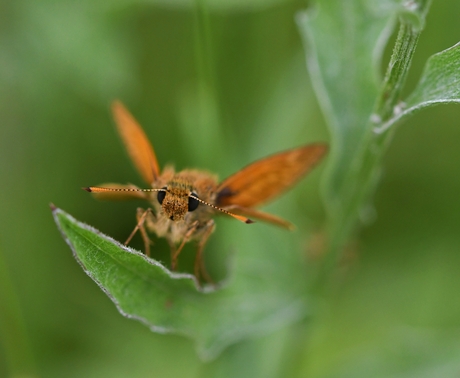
[177,201]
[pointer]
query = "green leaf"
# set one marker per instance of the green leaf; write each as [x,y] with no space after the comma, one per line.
[343,40]
[439,84]
[143,289]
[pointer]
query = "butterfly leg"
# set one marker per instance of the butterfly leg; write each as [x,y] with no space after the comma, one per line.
[185,239]
[172,247]
[199,261]
[141,216]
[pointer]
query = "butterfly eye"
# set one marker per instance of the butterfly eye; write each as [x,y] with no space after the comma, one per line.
[161,195]
[192,202]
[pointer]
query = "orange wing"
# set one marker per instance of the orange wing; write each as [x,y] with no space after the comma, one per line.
[138,146]
[259,182]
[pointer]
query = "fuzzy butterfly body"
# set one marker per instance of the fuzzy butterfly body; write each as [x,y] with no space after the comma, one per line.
[183,204]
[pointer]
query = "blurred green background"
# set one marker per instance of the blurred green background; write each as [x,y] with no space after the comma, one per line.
[215,103]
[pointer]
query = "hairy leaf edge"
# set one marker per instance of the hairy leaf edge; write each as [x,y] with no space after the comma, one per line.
[57,213]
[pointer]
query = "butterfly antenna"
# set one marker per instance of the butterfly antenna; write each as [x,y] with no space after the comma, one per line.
[95,189]
[239,217]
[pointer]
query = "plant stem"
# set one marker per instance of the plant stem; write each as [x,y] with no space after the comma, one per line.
[203,45]
[209,123]
[397,71]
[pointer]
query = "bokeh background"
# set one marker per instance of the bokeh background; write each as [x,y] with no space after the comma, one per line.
[218,102]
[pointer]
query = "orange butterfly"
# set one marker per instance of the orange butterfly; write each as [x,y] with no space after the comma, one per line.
[184,203]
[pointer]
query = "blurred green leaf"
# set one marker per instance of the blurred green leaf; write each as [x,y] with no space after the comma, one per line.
[344,40]
[145,290]
[439,84]
[344,43]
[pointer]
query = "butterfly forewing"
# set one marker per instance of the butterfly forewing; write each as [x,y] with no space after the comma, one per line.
[139,148]
[267,178]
